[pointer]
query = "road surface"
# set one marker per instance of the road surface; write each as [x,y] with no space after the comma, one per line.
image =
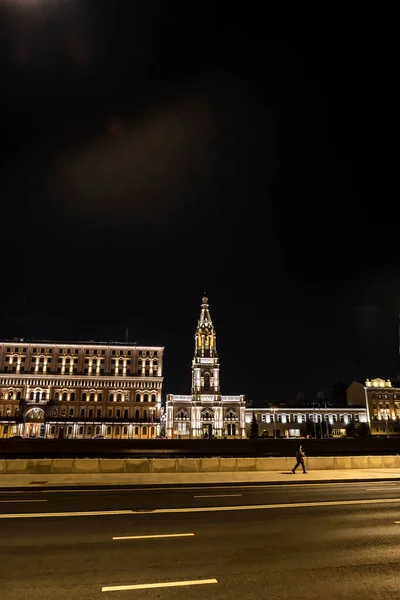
[325,541]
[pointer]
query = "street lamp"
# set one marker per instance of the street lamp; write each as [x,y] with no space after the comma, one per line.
[326,419]
[273,410]
[315,430]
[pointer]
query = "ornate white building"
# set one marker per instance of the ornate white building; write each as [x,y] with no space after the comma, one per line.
[80,389]
[205,413]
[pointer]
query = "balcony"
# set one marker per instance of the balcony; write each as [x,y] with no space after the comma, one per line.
[91,420]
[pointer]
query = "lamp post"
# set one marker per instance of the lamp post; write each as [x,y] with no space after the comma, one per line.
[273,410]
[326,420]
[315,430]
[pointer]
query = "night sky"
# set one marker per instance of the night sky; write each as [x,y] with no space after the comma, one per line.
[154,150]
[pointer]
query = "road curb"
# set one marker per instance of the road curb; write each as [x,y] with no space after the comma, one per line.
[138,486]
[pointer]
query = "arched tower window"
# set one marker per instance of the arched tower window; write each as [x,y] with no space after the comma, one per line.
[206,380]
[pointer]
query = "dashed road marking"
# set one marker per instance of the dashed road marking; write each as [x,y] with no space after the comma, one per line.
[146,586]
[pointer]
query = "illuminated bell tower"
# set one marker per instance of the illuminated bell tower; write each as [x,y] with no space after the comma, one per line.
[205,364]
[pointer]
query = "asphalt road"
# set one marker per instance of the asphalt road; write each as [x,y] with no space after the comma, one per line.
[311,541]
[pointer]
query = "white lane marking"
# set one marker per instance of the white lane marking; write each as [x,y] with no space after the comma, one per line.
[265,487]
[159,511]
[385,489]
[145,586]
[148,537]
[217,496]
[94,513]
[8,501]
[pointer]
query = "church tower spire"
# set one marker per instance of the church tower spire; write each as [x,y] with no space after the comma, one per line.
[205,365]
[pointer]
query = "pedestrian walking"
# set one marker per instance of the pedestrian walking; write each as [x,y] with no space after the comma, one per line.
[300,459]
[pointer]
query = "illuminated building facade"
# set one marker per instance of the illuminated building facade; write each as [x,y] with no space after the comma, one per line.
[205,413]
[292,422]
[381,398]
[80,390]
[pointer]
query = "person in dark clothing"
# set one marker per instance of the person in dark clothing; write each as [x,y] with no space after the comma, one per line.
[300,459]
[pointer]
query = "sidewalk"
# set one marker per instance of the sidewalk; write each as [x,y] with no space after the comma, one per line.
[9,482]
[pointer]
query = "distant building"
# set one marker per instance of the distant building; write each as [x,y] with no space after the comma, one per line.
[381,399]
[205,413]
[291,422]
[80,389]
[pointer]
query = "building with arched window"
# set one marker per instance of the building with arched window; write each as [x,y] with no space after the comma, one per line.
[205,413]
[80,389]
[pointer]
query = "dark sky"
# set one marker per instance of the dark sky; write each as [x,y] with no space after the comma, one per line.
[154,149]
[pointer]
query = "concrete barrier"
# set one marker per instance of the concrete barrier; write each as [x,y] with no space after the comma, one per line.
[209,465]
[191,465]
[274,464]
[18,465]
[86,465]
[62,465]
[360,462]
[391,462]
[246,464]
[317,463]
[137,465]
[343,462]
[188,465]
[163,465]
[112,465]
